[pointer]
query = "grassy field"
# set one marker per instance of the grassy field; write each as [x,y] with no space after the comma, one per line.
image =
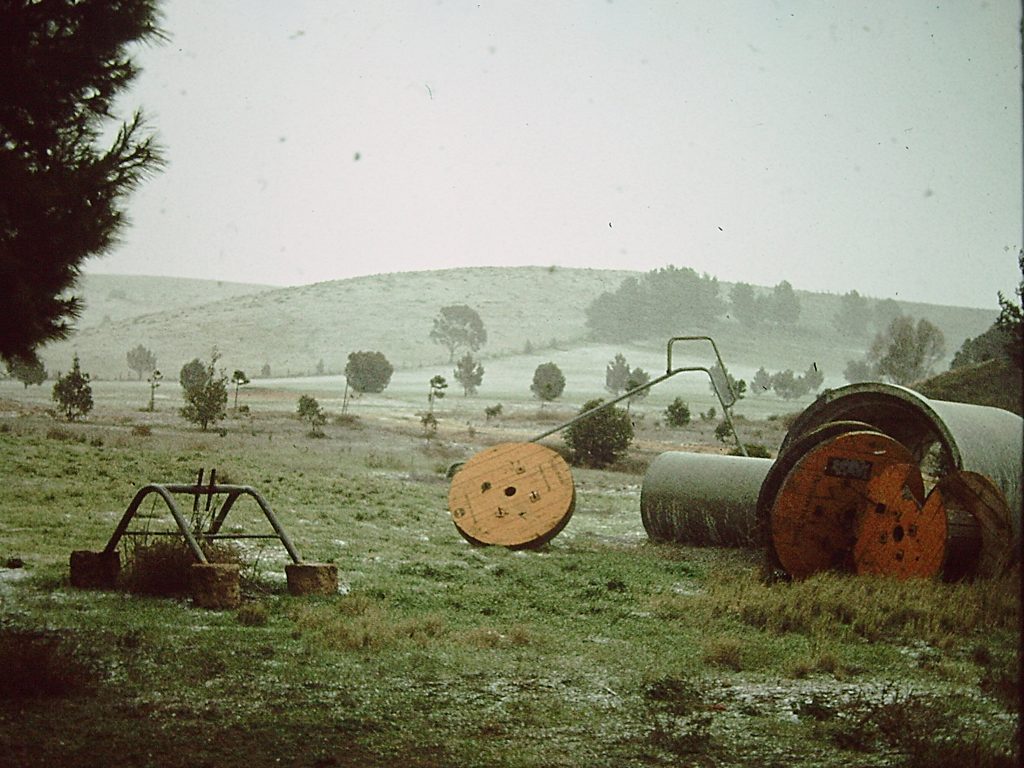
[600,649]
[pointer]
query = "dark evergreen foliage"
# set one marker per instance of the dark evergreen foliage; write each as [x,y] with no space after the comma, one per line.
[665,302]
[62,65]
[600,439]
[368,371]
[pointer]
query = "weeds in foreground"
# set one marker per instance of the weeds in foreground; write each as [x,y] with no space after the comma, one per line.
[926,731]
[42,663]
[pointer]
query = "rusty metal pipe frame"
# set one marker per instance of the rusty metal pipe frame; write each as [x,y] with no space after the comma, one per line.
[669,373]
[970,437]
[232,491]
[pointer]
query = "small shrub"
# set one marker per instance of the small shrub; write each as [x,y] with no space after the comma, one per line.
[677,414]
[162,567]
[142,430]
[725,652]
[754,450]
[601,438]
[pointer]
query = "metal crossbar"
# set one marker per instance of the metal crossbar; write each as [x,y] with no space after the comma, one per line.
[232,492]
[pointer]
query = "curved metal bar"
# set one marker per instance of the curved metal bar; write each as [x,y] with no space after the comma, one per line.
[165,493]
[233,492]
[669,373]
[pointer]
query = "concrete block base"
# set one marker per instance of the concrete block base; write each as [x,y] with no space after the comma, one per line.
[95,570]
[312,578]
[215,585]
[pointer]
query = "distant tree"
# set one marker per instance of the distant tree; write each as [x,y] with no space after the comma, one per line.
[600,439]
[548,382]
[677,414]
[744,305]
[788,385]
[456,327]
[265,371]
[309,410]
[368,372]
[907,352]
[637,378]
[320,368]
[492,411]
[1011,318]
[884,312]
[141,360]
[27,371]
[853,316]
[857,371]
[438,385]
[154,379]
[469,373]
[761,382]
[784,306]
[724,432]
[73,393]
[65,174]
[616,374]
[239,379]
[193,374]
[206,396]
[813,378]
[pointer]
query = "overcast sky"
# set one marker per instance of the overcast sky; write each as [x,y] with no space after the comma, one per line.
[868,145]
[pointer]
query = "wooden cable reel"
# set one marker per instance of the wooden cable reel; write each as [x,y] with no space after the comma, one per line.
[516,495]
[962,529]
[814,519]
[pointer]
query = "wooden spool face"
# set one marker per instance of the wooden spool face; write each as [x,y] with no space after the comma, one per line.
[513,495]
[899,536]
[814,519]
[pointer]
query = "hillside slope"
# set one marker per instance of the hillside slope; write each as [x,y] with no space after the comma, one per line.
[995,382]
[523,308]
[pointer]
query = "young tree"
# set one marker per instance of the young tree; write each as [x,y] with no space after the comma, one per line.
[309,410]
[616,374]
[469,373]
[677,413]
[368,372]
[239,379]
[206,397]
[907,352]
[548,382]
[153,380]
[456,327]
[857,371]
[600,439]
[813,378]
[141,360]
[73,393]
[438,385]
[265,371]
[637,378]
[63,66]
[27,371]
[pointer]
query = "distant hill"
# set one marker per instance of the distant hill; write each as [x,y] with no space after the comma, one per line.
[117,297]
[523,308]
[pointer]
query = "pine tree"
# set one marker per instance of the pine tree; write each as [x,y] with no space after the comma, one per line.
[63,63]
[73,393]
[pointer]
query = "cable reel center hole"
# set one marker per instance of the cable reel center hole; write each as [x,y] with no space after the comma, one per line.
[510,491]
[897,533]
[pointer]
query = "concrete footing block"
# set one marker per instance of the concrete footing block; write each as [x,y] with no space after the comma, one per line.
[312,578]
[215,585]
[95,570]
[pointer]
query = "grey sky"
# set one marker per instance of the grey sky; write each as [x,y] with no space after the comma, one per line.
[837,145]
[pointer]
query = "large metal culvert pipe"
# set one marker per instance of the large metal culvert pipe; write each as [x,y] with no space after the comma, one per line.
[702,499]
[977,438]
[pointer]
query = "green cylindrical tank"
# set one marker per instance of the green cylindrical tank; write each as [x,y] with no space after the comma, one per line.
[702,499]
